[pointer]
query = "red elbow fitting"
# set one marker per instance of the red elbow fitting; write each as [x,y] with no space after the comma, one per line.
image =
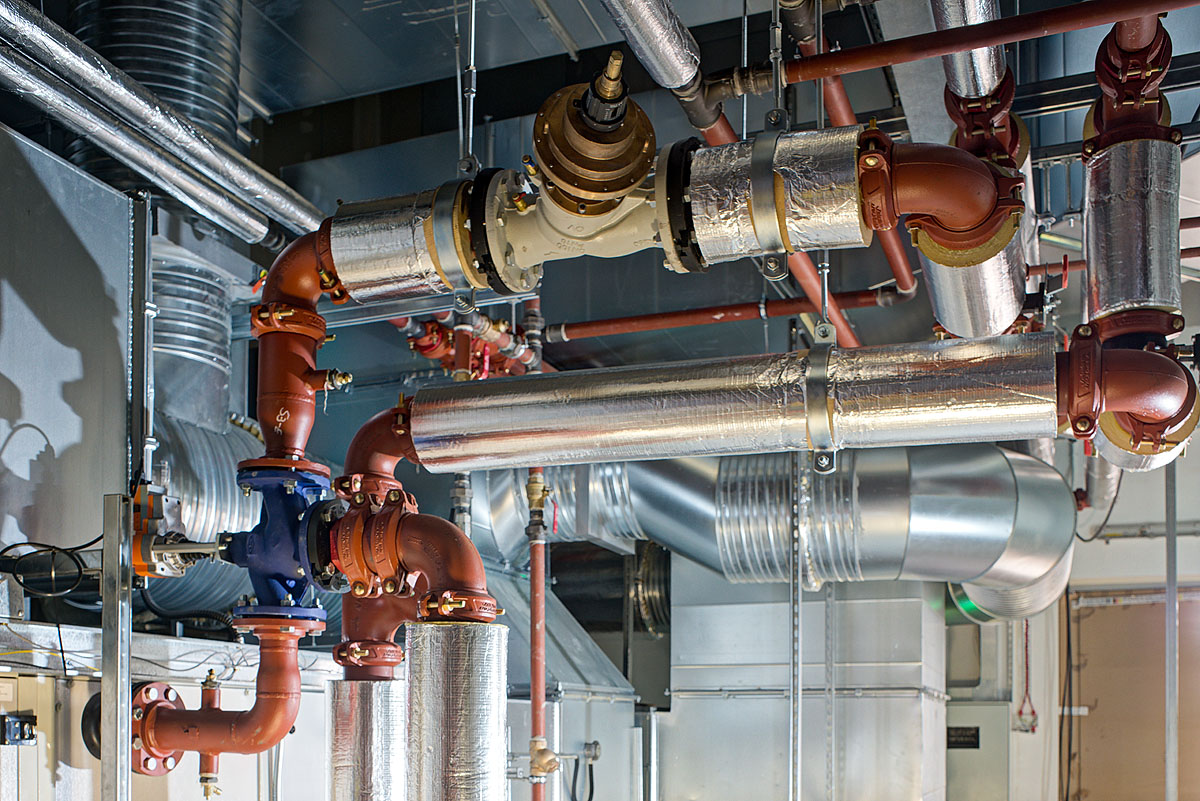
[961,210]
[163,729]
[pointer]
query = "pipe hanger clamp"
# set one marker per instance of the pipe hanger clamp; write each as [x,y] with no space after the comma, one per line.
[764,213]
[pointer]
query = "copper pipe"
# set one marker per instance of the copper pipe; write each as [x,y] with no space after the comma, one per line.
[462,352]
[1189,223]
[1055,268]
[736,312]
[1190,253]
[950,185]
[837,102]
[211,730]
[537,627]
[1032,25]
[1138,33]
[720,132]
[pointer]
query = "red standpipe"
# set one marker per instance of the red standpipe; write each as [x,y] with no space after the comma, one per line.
[537,640]
[837,105]
[1032,25]
[800,265]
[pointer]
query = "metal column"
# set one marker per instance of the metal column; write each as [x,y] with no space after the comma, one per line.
[117,623]
[1171,753]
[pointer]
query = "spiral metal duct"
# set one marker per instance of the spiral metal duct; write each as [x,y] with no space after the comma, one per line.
[187,52]
[192,335]
[995,523]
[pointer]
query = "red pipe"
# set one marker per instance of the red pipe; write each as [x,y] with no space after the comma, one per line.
[1137,34]
[379,445]
[1189,223]
[841,113]
[537,641]
[787,307]
[165,729]
[289,332]
[800,265]
[1032,25]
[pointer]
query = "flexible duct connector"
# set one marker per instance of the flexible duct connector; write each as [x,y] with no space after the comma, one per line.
[971,73]
[1131,228]
[753,516]
[924,393]
[659,39]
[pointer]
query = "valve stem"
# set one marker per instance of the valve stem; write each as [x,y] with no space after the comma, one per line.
[608,83]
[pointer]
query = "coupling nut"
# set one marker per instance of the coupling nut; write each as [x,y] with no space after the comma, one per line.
[542,759]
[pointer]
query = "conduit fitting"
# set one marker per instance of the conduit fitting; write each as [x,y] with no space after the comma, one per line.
[1142,401]
[700,100]
[593,149]
[1131,106]
[290,331]
[163,729]
[542,760]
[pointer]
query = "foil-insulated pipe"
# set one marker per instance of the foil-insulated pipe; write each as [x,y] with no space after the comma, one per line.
[366,740]
[126,143]
[979,300]
[1131,228]
[659,39]
[81,68]
[1102,481]
[816,180]
[970,73]
[389,249]
[923,393]
[455,675]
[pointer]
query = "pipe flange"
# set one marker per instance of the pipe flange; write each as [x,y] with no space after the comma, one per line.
[985,125]
[490,201]
[452,240]
[147,699]
[673,208]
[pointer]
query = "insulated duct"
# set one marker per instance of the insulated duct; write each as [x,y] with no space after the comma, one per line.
[366,744]
[659,39]
[1131,228]
[455,675]
[970,73]
[816,174]
[923,393]
[979,300]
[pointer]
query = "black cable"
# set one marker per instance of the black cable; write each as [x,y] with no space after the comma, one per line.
[591,780]
[574,781]
[223,618]
[1111,506]
[40,548]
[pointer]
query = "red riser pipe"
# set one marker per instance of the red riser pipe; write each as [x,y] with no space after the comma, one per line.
[1032,25]
[537,643]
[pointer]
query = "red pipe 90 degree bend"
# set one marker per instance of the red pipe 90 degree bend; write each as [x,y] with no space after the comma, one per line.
[162,728]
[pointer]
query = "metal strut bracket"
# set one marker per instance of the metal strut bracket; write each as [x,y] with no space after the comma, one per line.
[763,211]
[816,400]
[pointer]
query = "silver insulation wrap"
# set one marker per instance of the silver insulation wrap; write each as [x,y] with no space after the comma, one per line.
[965,390]
[974,73]
[659,39]
[746,405]
[384,249]
[923,393]
[366,742]
[456,677]
[981,300]
[819,177]
[122,98]
[127,144]
[1131,228]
